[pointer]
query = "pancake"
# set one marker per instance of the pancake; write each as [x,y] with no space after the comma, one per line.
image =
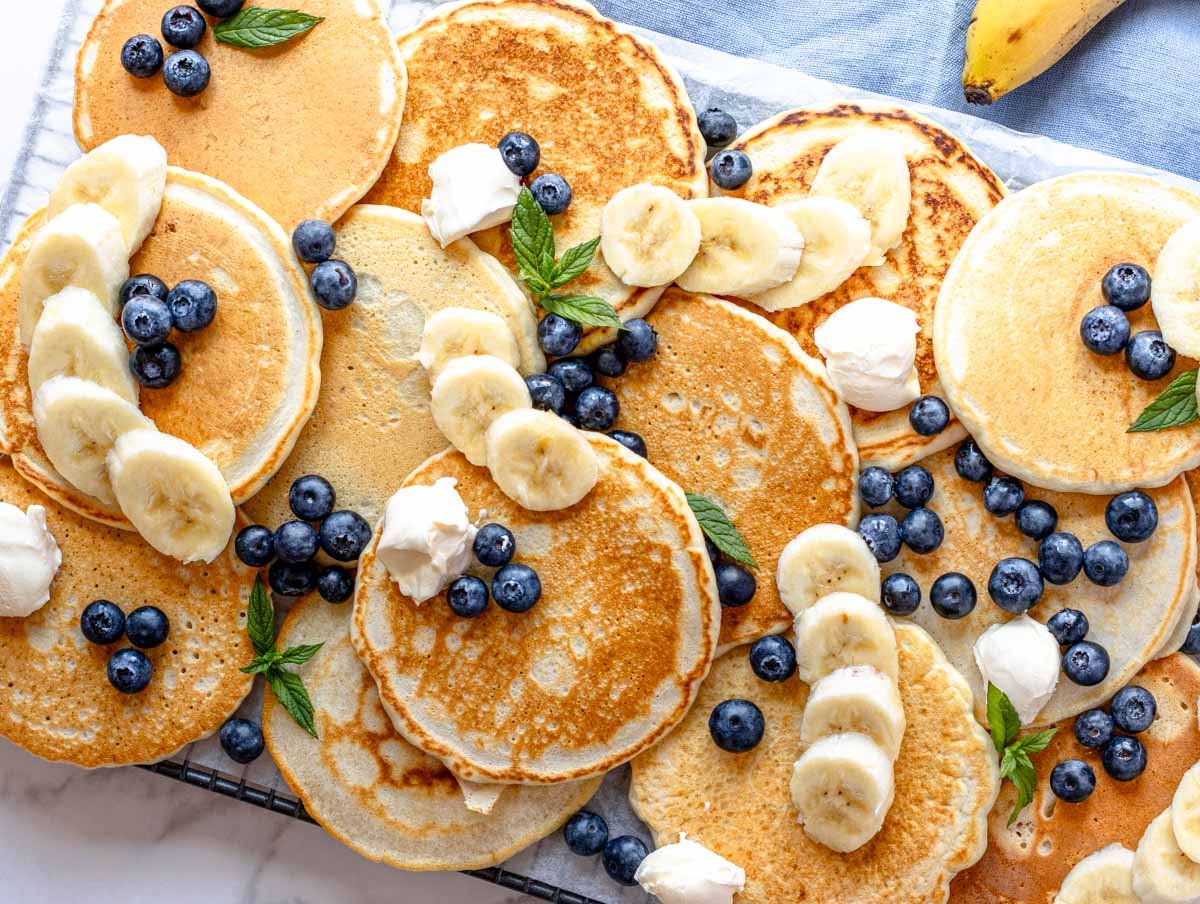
[55,698]
[248,382]
[951,189]
[372,790]
[1006,335]
[740,805]
[372,423]
[605,664]
[302,129]
[731,407]
[1132,620]
[605,106]
[1028,862]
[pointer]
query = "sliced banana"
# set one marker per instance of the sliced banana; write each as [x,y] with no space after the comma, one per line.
[844,629]
[81,247]
[459,332]
[648,235]
[1162,872]
[870,172]
[857,698]
[1176,297]
[837,241]
[78,422]
[540,461]
[1102,877]
[745,248]
[1185,813]
[822,559]
[173,493]
[469,394]
[76,337]
[126,176]
[843,786]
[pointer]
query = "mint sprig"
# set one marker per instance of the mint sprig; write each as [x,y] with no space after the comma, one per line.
[255,27]
[1175,407]
[1015,764]
[286,685]
[718,527]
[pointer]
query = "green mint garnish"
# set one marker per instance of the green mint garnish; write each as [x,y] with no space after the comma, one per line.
[1015,764]
[255,27]
[1174,408]
[719,528]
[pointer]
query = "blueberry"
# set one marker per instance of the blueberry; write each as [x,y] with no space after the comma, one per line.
[1086,663]
[558,336]
[586,833]
[597,408]
[516,588]
[221,9]
[142,56]
[193,305]
[547,392]
[146,320]
[1015,585]
[901,595]
[552,192]
[494,545]
[1124,758]
[735,585]
[129,670]
[102,622]
[1093,728]
[1105,563]
[971,464]
[736,725]
[1133,709]
[335,583]
[521,153]
[575,374]
[922,531]
[638,341]
[1036,519]
[1072,781]
[1003,496]
[1148,356]
[731,169]
[631,441]
[1191,643]
[296,541]
[928,415]
[1069,626]
[621,858]
[1127,286]
[314,241]
[882,534]
[714,554]
[147,627]
[292,578]
[1105,330]
[952,595]
[311,498]
[1060,557]
[242,740]
[1131,516]
[143,284]
[186,73]
[717,128]
[155,366]
[183,27]
[334,284]
[255,545]
[609,360]
[876,486]
[914,487]
[344,535]
[773,658]
[467,596]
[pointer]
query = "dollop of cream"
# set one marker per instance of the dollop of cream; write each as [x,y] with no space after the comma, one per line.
[689,873]
[1022,658]
[870,347]
[29,560]
[473,189]
[426,539]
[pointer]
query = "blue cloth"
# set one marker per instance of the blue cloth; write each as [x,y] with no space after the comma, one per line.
[1131,88]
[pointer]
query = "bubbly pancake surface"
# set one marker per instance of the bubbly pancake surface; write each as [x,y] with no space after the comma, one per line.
[740,805]
[731,408]
[601,667]
[303,129]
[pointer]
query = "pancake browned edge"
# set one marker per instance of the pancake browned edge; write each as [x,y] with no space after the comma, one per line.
[1027,863]
[951,190]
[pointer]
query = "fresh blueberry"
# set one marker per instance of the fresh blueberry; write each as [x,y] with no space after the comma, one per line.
[314,241]
[467,596]
[129,670]
[334,284]
[1060,557]
[1191,643]
[714,554]
[292,578]
[731,169]
[1069,626]
[1086,663]
[516,588]
[638,341]
[1015,585]
[922,531]
[311,498]
[494,545]
[735,585]
[255,545]
[952,595]
[102,622]
[221,9]
[586,833]
[1133,709]
[146,320]
[547,392]
[147,627]
[882,534]
[1127,286]
[1105,330]
[631,441]
[193,305]
[1131,516]
[335,583]
[155,366]
[183,27]
[142,56]
[575,374]
[344,535]
[736,725]
[143,284]
[1093,728]
[296,541]
[717,128]
[1003,496]
[1148,356]
[1105,563]
[971,464]
[773,658]
[1072,781]
[558,336]
[876,486]
[621,858]
[597,408]
[186,73]
[242,740]
[552,192]
[1124,758]
[928,415]
[914,487]
[901,595]
[609,360]
[1036,519]
[521,153]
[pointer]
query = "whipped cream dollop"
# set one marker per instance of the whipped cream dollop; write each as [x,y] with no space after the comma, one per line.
[1022,658]
[870,346]
[426,539]
[689,873]
[29,560]
[473,189]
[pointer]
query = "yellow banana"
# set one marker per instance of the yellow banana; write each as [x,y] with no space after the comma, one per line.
[1011,42]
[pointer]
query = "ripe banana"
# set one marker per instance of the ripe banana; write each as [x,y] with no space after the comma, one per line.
[1162,872]
[648,235]
[459,332]
[1102,877]
[1185,813]
[1176,298]
[745,248]
[844,629]
[76,337]
[540,461]
[822,559]
[469,394]
[843,786]
[860,699]
[1011,42]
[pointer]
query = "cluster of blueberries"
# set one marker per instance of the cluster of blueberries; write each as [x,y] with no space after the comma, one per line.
[737,725]
[921,530]
[290,549]
[103,622]
[586,834]
[515,587]
[1105,330]
[149,311]
[334,283]
[1132,711]
[185,72]
[522,154]
[729,169]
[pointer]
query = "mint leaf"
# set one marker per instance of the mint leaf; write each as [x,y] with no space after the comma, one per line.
[255,27]
[260,619]
[533,242]
[1003,721]
[1175,407]
[299,655]
[290,692]
[573,262]
[718,528]
[1034,743]
[261,664]
[1025,780]
[583,309]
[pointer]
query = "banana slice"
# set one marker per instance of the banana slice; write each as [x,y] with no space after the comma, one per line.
[1185,813]
[80,247]
[77,424]
[76,337]
[459,332]
[822,559]
[745,248]
[1102,877]
[1162,872]
[173,494]
[1176,297]
[837,241]
[843,786]
[871,173]
[648,235]
[469,394]
[860,699]
[540,461]
[126,176]
[844,629]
